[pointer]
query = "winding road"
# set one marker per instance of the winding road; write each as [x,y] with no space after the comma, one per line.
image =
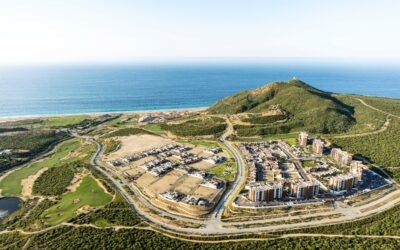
[240,179]
[214,224]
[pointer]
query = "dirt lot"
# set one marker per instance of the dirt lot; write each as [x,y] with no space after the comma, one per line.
[137,143]
[205,192]
[197,150]
[224,154]
[135,170]
[145,180]
[202,165]
[188,185]
[142,161]
[165,183]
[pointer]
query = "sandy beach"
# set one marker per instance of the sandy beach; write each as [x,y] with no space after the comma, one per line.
[141,112]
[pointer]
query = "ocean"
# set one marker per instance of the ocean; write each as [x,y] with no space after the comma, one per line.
[73,89]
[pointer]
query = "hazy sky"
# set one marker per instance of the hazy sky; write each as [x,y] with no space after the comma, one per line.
[122,30]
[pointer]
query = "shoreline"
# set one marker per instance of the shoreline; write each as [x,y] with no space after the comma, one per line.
[24,117]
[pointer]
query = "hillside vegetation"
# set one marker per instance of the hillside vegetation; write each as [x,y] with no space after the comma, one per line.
[307,107]
[382,148]
[32,141]
[56,180]
[197,127]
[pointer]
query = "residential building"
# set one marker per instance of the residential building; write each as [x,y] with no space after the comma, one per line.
[303,139]
[343,182]
[213,183]
[341,157]
[216,159]
[304,189]
[357,168]
[265,192]
[318,146]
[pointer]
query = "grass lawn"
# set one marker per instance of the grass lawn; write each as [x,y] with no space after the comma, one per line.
[11,184]
[308,164]
[88,193]
[115,122]
[63,121]
[155,129]
[123,121]
[111,145]
[219,171]
[102,222]
[201,143]
[288,138]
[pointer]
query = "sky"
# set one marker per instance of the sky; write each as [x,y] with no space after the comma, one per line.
[49,31]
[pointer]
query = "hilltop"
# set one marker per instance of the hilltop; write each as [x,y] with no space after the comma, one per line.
[305,107]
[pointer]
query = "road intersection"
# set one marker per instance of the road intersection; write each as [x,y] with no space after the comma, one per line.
[214,224]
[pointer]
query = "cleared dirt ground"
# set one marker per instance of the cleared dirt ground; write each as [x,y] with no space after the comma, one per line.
[188,185]
[166,182]
[145,180]
[197,150]
[205,192]
[135,170]
[137,143]
[142,161]
[202,165]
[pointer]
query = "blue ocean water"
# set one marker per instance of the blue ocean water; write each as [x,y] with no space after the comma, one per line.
[44,90]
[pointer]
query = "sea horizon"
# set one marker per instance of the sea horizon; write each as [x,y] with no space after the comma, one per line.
[48,90]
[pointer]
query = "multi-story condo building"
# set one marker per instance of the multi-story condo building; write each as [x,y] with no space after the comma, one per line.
[304,189]
[357,168]
[265,192]
[303,139]
[341,157]
[318,146]
[343,182]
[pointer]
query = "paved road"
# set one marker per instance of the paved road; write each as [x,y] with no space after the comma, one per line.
[297,164]
[98,165]
[119,184]
[240,179]
[214,225]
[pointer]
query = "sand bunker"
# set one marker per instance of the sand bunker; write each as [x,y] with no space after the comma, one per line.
[76,182]
[84,210]
[27,183]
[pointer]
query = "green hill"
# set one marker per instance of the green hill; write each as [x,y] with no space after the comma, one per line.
[306,107]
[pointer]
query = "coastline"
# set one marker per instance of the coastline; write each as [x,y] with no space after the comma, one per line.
[24,117]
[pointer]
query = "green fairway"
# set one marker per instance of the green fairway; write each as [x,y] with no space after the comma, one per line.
[122,121]
[88,193]
[115,122]
[63,121]
[11,184]
[155,129]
